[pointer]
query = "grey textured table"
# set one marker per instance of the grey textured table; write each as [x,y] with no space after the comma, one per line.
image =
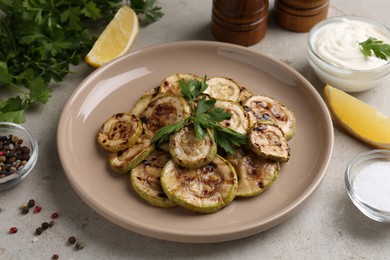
[327,227]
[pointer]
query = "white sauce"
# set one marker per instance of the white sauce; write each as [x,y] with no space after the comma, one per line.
[338,43]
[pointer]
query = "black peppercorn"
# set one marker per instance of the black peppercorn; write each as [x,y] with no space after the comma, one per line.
[45,225]
[39,231]
[71,240]
[31,203]
[25,210]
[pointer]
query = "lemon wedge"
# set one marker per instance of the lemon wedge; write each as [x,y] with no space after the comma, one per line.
[361,120]
[116,39]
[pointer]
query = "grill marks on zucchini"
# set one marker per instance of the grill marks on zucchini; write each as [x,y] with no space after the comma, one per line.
[255,174]
[119,132]
[164,109]
[262,107]
[187,171]
[190,152]
[205,190]
[145,179]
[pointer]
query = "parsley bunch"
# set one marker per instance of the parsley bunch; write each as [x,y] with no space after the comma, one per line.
[376,47]
[39,41]
[205,116]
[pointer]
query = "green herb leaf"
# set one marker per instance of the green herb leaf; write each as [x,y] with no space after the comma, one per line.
[164,133]
[228,139]
[147,10]
[40,40]
[192,88]
[376,47]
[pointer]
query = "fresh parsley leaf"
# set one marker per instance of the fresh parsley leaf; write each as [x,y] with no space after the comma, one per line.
[228,139]
[376,47]
[206,116]
[204,106]
[164,133]
[219,114]
[192,88]
[40,40]
[147,10]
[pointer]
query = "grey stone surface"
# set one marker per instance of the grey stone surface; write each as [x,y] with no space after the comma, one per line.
[327,227]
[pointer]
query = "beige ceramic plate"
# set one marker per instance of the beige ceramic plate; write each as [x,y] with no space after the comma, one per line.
[116,87]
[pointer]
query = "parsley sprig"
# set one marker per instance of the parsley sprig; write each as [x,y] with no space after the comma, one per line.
[206,116]
[41,40]
[376,47]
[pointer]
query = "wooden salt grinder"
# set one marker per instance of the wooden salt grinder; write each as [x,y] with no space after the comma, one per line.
[300,15]
[242,22]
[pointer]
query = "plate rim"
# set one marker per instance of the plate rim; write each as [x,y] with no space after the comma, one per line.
[238,233]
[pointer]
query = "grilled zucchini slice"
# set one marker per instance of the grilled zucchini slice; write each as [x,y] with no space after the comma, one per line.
[164,109]
[139,108]
[123,161]
[205,190]
[239,121]
[188,151]
[145,179]
[254,174]
[119,132]
[261,107]
[267,140]
[171,83]
[223,88]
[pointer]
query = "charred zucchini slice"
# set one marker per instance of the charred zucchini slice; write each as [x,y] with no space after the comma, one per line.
[262,107]
[223,88]
[205,190]
[119,132]
[139,108]
[165,109]
[267,140]
[171,83]
[254,174]
[123,161]
[188,151]
[239,121]
[145,179]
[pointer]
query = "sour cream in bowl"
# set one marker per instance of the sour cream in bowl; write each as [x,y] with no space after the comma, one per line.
[335,54]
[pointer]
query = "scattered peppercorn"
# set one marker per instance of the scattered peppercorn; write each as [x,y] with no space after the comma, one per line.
[25,210]
[39,231]
[71,240]
[55,257]
[13,230]
[37,209]
[45,225]
[31,203]
[54,215]
[51,223]
[79,245]
[13,155]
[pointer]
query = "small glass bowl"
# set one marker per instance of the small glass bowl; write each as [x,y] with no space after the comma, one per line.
[6,129]
[349,80]
[365,200]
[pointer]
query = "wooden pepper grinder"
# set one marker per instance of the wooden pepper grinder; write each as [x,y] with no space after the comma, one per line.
[300,15]
[242,22]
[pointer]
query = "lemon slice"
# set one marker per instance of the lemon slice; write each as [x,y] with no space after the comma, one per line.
[116,39]
[358,118]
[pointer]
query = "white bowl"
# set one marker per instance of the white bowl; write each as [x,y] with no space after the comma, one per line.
[367,186]
[349,79]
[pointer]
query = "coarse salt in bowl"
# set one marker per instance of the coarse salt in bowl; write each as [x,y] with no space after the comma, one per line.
[7,179]
[334,53]
[367,178]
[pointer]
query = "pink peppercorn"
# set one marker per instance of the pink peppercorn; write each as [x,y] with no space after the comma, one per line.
[13,230]
[37,209]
